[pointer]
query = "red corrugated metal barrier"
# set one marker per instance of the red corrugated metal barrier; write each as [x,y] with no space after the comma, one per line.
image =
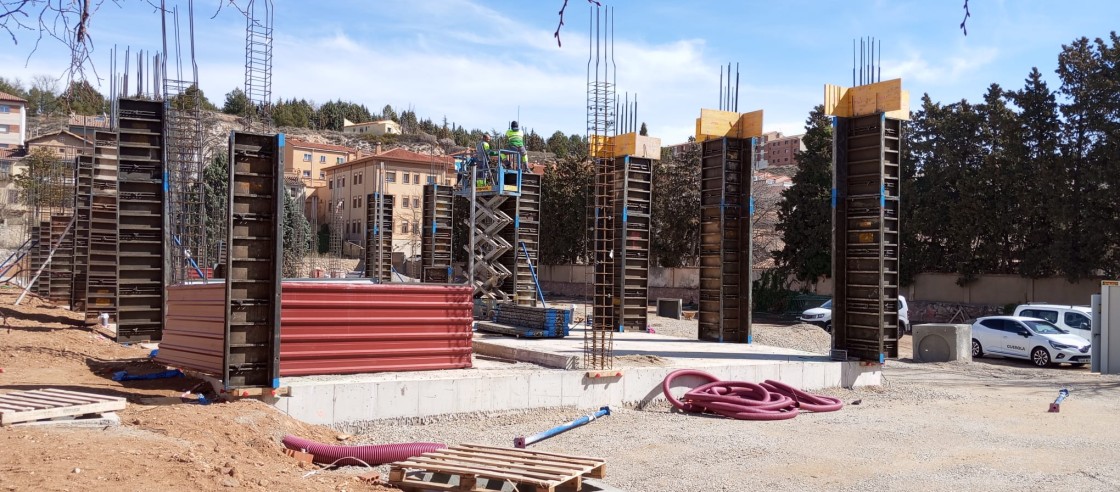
[355,327]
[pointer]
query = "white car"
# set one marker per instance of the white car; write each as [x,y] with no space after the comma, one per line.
[1073,319]
[1034,339]
[822,316]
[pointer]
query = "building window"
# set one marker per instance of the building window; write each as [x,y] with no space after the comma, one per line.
[415,179]
[322,159]
[404,226]
[5,109]
[339,160]
[415,202]
[361,177]
[431,180]
[3,128]
[404,202]
[330,185]
[405,178]
[322,175]
[306,157]
[391,177]
[306,173]
[13,197]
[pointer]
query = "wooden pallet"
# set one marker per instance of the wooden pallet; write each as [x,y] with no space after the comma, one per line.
[470,463]
[49,403]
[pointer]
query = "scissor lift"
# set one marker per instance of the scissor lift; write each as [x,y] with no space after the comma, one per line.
[491,180]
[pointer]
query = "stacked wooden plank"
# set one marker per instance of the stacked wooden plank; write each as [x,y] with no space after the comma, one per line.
[463,467]
[49,403]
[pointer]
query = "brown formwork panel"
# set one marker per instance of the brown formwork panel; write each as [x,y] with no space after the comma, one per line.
[139,290]
[62,263]
[101,282]
[435,234]
[726,166]
[83,178]
[379,237]
[633,184]
[866,160]
[251,353]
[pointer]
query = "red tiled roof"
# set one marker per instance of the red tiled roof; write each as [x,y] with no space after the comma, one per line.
[60,132]
[319,146]
[4,96]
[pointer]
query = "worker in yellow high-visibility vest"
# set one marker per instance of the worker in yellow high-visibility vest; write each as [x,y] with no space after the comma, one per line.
[516,139]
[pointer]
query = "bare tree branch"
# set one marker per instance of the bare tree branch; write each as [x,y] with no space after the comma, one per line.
[562,9]
[967,14]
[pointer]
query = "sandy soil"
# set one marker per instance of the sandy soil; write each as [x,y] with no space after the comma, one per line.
[186,446]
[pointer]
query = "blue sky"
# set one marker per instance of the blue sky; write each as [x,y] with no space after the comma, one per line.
[477,62]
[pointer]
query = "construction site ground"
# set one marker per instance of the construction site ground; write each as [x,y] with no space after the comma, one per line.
[953,426]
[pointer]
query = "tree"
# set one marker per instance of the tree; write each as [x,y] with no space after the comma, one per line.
[388,113]
[675,220]
[293,113]
[331,115]
[43,96]
[1038,166]
[44,183]
[534,142]
[564,192]
[804,216]
[558,144]
[83,99]
[215,180]
[297,236]
[237,103]
[13,86]
[192,98]
[643,131]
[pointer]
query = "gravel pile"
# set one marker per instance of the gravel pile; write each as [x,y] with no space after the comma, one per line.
[804,337]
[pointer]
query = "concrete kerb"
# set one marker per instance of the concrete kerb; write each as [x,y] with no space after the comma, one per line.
[377,397]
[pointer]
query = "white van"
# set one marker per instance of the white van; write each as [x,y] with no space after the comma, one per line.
[1074,319]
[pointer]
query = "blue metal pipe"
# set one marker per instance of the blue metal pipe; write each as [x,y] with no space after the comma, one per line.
[522,442]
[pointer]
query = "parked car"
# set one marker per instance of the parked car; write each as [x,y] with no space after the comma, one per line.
[1037,340]
[822,316]
[1074,319]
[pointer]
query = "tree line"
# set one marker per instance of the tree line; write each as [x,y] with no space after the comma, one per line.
[1023,182]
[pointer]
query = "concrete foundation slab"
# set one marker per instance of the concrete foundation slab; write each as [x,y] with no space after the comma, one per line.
[492,386]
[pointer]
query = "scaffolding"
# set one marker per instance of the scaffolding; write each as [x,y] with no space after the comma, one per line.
[598,346]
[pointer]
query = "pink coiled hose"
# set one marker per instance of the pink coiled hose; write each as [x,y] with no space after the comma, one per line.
[373,454]
[771,400]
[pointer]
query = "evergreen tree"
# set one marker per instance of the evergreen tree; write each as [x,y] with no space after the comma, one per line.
[14,87]
[81,98]
[534,142]
[564,192]
[237,103]
[643,131]
[1037,167]
[804,214]
[675,221]
[215,180]
[297,236]
[558,144]
[388,113]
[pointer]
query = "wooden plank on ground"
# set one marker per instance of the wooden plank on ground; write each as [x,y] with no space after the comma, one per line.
[541,470]
[47,403]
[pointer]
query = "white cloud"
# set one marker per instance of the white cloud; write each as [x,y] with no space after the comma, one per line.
[944,70]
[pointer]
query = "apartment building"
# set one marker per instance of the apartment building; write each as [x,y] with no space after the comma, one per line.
[405,174]
[306,161]
[13,121]
[379,127]
[778,150]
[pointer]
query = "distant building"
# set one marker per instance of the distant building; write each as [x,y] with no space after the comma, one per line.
[350,184]
[305,161]
[13,121]
[85,125]
[379,127]
[778,150]
[64,144]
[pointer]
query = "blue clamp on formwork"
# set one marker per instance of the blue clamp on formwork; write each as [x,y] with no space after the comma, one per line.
[275,383]
[750,339]
[882,116]
[834,119]
[882,358]
[752,206]
[166,182]
[883,196]
[625,214]
[280,137]
[834,198]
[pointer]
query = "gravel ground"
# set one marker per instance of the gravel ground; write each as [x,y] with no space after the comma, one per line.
[954,426]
